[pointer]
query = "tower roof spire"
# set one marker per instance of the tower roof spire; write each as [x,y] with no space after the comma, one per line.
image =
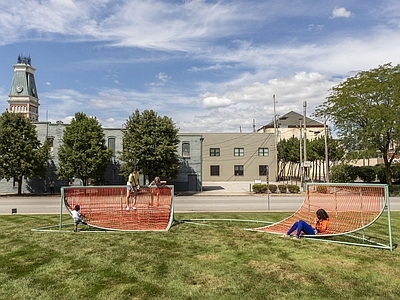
[22,59]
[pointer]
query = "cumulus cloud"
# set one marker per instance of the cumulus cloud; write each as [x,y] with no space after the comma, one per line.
[340,12]
[230,56]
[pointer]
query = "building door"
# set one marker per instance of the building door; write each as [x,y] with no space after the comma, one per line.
[192,185]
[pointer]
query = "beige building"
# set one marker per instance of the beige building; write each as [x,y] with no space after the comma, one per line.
[238,157]
[290,124]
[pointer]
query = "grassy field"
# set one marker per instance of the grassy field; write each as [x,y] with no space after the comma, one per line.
[210,260]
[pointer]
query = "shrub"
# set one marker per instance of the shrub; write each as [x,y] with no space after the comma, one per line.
[259,188]
[264,188]
[380,173]
[366,173]
[282,188]
[395,172]
[256,188]
[292,188]
[343,173]
[272,188]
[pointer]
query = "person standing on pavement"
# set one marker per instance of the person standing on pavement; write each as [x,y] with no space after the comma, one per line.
[51,187]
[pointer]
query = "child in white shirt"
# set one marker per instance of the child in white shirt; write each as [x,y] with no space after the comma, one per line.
[76,215]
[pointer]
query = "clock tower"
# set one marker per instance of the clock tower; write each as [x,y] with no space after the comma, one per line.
[23,96]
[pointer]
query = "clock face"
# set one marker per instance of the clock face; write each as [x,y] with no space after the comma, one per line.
[19,89]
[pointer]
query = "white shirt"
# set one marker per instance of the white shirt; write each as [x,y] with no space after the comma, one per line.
[75,214]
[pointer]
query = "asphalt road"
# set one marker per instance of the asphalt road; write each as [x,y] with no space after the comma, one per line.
[244,203]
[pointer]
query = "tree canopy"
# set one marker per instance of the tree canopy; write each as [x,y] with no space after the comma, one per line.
[150,143]
[21,153]
[289,153]
[83,152]
[365,109]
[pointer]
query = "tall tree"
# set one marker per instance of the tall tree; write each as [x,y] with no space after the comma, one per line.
[21,153]
[365,111]
[150,143]
[83,152]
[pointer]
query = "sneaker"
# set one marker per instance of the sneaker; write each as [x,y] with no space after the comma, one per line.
[295,237]
[285,236]
[127,208]
[134,208]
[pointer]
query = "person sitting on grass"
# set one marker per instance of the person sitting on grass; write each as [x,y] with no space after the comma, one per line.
[320,225]
[76,215]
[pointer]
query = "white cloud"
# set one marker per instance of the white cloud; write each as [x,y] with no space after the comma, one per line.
[162,79]
[203,38]
[340,12]
[217,66]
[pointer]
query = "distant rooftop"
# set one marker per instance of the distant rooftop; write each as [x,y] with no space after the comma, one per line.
[291,120]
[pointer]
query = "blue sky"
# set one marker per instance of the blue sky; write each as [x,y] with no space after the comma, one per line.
[211,66]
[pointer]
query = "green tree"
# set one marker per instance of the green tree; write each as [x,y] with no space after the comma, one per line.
[364,110]
[21,153]
[343,173]
[288,154]
[83,152]
[150,143]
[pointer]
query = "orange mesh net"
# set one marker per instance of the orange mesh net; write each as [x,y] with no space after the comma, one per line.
[105,207]
[350,208]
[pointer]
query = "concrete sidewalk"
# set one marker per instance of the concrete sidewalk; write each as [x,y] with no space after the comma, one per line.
[225,188]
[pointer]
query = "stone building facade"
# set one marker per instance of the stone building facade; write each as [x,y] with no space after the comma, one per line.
[188,179]
[203,157]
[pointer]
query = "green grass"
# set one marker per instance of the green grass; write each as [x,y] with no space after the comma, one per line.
[214,260]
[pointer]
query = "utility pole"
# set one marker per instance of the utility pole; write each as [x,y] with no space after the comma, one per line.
[326,151]
[275,142]
[305,140]
[301,158]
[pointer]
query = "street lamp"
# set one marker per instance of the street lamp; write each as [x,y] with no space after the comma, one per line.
[201,164]
[305,141]
[275,143]
[301,157]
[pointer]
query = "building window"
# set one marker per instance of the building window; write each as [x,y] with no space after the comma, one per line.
[214,152]
[185,149]
[239,170]
[214,170]
[111,144]
[263,151]
[238,152]
[51,149]
[262,170]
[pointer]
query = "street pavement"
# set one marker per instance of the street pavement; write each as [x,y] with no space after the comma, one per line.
[215,197]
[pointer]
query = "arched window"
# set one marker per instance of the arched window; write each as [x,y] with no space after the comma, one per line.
[185,149]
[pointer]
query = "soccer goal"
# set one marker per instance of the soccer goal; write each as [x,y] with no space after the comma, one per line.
[104,207]
[352,209]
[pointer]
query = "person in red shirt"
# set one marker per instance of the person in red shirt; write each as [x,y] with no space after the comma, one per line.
[320,225]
